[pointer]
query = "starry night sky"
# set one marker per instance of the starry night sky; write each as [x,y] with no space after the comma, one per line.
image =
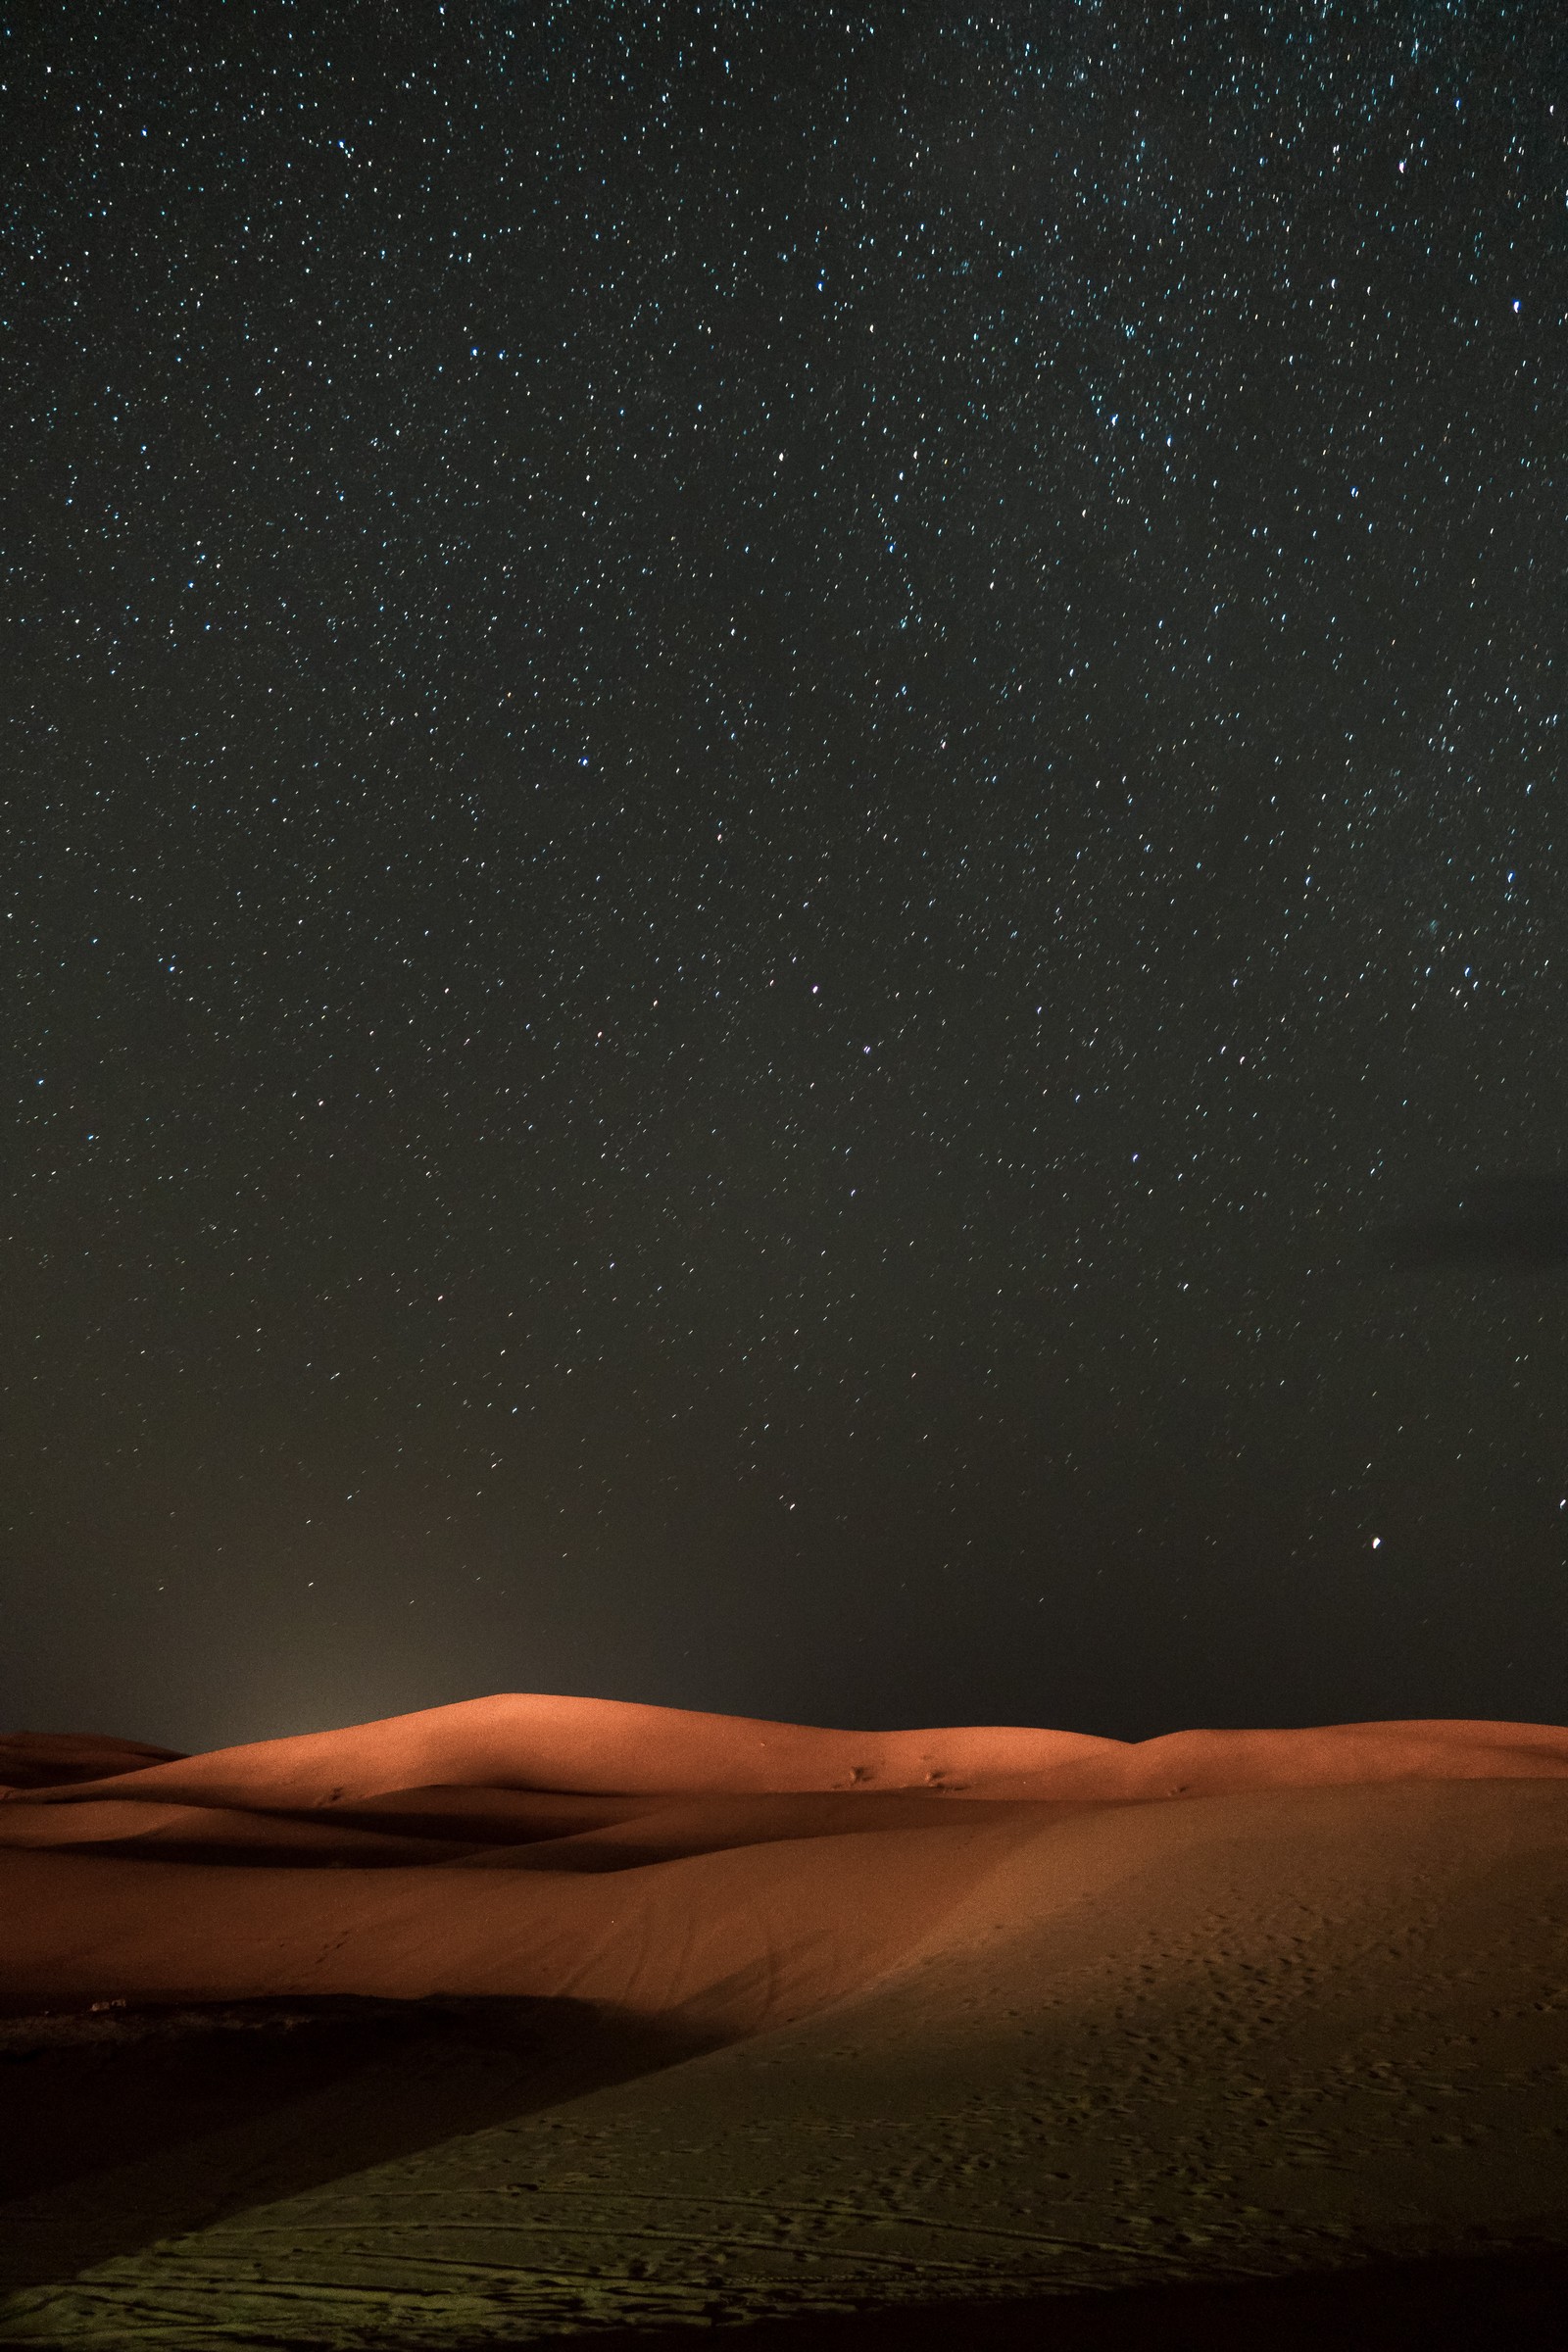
[771,774]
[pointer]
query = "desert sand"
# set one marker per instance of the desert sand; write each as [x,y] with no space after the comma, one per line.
[534,2015]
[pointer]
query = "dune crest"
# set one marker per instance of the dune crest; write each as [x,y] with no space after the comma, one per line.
[612,1747]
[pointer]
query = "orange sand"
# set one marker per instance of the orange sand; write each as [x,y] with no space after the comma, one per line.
[998,2011]
[484,1848]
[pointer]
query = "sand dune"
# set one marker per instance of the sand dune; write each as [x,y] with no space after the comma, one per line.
[608,1747]
[53,1759]
[813,2019]
[726,1941]
[778,1866]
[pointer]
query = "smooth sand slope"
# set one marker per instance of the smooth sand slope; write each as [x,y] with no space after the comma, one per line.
[536,2013]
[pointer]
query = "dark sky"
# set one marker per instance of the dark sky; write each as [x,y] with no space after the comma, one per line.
[770,774]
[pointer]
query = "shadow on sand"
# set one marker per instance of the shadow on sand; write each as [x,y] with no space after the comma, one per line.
[127,2125]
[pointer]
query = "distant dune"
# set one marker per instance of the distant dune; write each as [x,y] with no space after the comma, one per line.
[538,2013]
[600,1746]
[54,1759]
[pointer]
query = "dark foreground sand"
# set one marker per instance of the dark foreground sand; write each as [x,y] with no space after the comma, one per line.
[535,2016]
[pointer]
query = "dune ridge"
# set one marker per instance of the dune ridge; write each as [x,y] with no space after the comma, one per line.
[543,1742]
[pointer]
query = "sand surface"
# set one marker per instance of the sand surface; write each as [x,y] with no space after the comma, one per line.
[534,2015]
